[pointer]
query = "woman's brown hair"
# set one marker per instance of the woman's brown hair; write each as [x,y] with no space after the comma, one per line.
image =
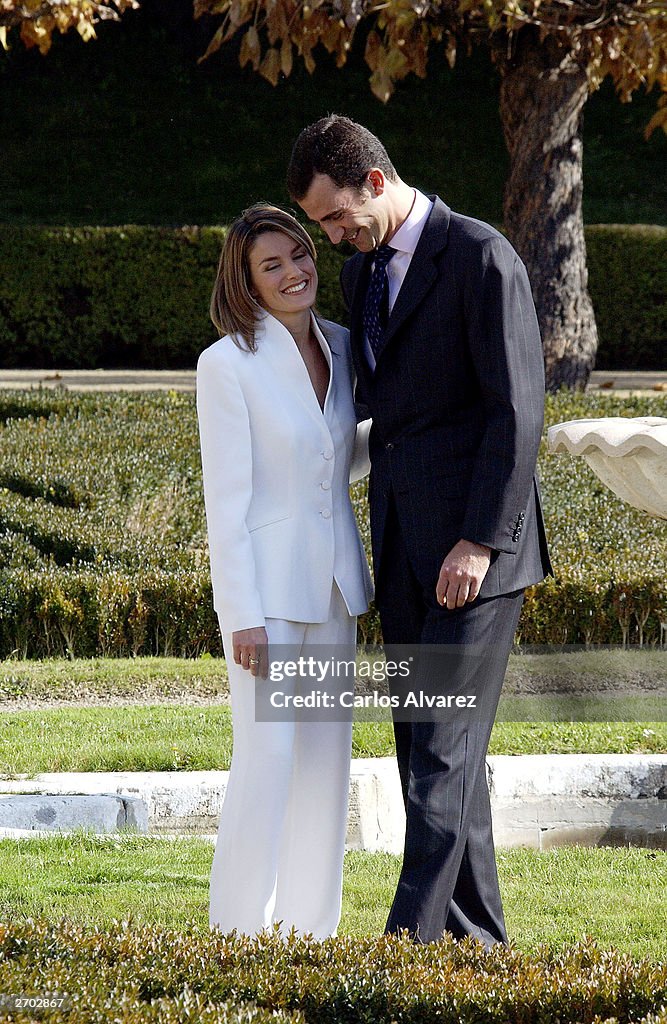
[234,310]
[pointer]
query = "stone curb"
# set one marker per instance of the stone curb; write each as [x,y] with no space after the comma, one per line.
[538,801]
[47,812]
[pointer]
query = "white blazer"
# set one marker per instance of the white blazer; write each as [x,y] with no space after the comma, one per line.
[276,478]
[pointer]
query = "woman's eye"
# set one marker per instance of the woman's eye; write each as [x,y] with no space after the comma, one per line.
[300,255]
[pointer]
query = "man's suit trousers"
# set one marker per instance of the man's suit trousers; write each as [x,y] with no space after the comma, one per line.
[449,879]
[281,839]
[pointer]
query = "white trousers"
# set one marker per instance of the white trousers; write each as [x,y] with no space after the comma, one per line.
[281,839]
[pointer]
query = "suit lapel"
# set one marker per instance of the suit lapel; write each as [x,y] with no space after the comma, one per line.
[329,346]
[422,274]
[422,271]
[278,346]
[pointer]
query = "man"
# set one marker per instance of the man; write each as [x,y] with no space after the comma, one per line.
[449,365]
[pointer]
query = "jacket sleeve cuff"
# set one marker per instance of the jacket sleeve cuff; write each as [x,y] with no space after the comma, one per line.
[503,539]
[233,619]
[360,466]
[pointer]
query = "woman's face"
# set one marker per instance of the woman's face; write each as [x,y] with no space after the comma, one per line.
[282,274]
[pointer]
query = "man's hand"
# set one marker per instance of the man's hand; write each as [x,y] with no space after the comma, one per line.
[251,650]
[462,574]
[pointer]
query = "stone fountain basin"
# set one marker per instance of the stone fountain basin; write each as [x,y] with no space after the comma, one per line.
[629,455]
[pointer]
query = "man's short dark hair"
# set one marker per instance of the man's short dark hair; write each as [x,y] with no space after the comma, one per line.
[339,147]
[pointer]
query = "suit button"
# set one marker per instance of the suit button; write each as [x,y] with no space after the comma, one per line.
[325,485]
[327,454]
[389,446]
[326,513]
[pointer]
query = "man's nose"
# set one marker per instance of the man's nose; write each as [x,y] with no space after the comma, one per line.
[335,233]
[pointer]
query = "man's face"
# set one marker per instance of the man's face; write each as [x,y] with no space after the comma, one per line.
[358,217]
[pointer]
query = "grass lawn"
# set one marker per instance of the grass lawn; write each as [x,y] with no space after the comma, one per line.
[178,720]
[618,896]
[632,670]
[170,738]
[85,678]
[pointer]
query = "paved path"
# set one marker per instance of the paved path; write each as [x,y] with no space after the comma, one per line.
[621,381]
[101,380]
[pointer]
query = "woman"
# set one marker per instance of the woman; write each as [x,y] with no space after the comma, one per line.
[278,432]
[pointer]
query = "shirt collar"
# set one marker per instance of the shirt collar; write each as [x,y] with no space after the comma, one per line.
[407,236]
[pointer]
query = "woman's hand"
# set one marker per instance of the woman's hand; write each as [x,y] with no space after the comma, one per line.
[251,650]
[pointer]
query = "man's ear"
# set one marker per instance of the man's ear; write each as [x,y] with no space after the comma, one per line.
[376,181]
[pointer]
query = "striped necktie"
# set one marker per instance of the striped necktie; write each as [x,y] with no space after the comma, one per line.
[377,296]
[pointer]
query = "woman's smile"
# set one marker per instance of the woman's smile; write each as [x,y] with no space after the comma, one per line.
[296,288]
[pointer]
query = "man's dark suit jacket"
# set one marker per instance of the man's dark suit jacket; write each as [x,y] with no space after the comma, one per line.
[457,401]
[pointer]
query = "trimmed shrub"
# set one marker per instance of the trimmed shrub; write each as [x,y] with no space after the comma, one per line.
[138,296]
[53,613]
[103,536]
[143,973]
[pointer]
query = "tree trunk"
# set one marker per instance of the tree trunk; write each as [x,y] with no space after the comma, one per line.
[542,97]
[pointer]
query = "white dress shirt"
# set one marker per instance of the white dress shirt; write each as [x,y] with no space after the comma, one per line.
[404,241]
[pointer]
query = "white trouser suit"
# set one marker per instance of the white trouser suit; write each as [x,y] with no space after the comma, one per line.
[285,554]
[279,853]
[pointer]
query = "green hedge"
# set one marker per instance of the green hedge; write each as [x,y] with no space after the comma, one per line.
[49,613]
[103,536]
[138,296]
[627,267]
[115,297]
[55,612]
[142,973]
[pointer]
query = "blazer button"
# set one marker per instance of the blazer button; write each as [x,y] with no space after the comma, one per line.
[389,446]
[326,513]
